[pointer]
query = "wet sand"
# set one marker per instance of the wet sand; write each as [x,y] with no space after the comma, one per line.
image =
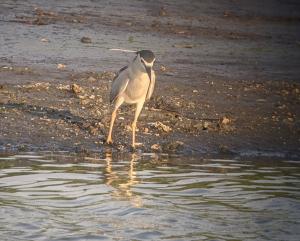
[227,76]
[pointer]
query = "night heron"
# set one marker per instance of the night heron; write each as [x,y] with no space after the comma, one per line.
[133,85]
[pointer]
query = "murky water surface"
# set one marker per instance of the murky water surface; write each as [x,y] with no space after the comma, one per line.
[61,196]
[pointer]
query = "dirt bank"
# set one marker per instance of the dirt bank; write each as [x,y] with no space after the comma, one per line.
[227,75]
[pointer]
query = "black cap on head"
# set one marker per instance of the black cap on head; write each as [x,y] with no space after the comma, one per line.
[147,55]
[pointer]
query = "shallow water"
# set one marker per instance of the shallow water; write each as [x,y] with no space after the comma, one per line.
[46,196]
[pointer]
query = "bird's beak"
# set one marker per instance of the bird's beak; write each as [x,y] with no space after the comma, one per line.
[148,69]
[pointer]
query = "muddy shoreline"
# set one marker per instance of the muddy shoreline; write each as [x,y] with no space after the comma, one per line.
[227,76]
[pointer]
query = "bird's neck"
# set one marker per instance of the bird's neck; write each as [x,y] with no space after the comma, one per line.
[136,66]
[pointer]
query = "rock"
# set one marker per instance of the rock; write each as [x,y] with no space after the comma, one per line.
[91,78]
[130,39]
[44,40]
[155,24]
[187,46]
[162,126]
[162,12]
[82,97]
[93,130]
[84,101]
[121,147]
[156,147]
[86,40]
[38,85]
[205,125]
[76,89]
[63,87]
[173,146]
[163,68]
[198,126]
[86,125]
[225,121]
[225,124]
[128,128]
[61,66]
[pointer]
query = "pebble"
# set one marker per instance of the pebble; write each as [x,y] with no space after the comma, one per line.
[159,125]
[225,120]
[173,146]
[91,78]
[86,40]
[61,66]
[156,147]
[163,68]
[76,88]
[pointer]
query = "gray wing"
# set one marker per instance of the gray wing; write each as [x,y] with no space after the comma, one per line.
[119,84]
[151,86]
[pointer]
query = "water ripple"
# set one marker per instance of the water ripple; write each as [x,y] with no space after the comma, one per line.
[56,196]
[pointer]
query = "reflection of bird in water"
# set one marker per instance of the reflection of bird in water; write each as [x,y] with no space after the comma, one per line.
[122,183]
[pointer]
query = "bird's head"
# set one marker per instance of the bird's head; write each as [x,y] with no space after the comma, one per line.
[147,59]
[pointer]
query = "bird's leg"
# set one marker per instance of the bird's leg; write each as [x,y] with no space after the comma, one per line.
[139,107]
[113,117]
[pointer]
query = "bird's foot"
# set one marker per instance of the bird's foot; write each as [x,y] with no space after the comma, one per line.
[109,141]
[132,148]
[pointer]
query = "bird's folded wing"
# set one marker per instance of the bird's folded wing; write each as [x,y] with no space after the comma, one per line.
[151,86]
[118,86]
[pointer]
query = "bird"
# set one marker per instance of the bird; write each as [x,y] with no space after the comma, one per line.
[133,84]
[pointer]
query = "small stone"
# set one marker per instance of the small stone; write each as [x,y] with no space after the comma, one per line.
[162,12]
[44,40]
[205,125]
[61,66]
[156,147]
[173,146]
[128,128]
[130,39]
[120,147]
[86,40]
[93,130]
[163,68]
[159,125]
[76,88]
[91,78]
[225,121]
[225,149]
[84,102]
[63,87]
